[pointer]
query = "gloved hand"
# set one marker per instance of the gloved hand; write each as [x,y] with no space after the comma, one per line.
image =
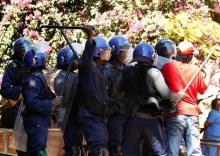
[176,97]
[90,31]
[57,102]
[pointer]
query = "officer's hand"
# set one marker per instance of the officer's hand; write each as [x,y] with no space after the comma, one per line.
[90,31]
[176,97]
[57,102]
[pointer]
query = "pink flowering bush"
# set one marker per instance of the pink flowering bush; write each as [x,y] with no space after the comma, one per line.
[141,21]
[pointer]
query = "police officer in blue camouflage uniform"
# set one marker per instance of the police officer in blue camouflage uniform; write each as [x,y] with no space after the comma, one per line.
[72,132]
[120,55]
[38,100]
[143,86]
[92,94]
[12,81]
[11,86]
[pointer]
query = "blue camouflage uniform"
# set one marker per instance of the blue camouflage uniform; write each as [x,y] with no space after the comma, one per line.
[93,99]
[11,89]
[38,101]
[72,132]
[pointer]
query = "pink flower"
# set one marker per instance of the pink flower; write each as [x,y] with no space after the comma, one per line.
[140,26]
[129,20]
[25,31]
[61,15]
[20,4]
[217,8]
[37,14]
[52,10]
[132,28]
[129,34]
[27,4]
[48,50]
[7,17]
[34,34]
[139,14]
[29,17]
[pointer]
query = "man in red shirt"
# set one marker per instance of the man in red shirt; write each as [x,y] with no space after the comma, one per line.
[185,122]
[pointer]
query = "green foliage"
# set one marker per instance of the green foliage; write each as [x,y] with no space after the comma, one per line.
[139,20]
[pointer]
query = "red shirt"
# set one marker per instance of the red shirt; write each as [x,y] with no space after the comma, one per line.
[177,75]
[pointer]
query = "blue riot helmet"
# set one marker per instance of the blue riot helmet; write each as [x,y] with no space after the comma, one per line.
[121,49]
[21,46]
[119,44]
[34,58]
[102,49]
[165,48]
[143,52]
[65,55]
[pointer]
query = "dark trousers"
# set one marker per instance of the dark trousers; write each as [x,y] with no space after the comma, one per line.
[147,134]
[37,138]
[115,126]
[95,130]
[72,136]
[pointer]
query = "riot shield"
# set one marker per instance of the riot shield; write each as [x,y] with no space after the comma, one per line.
[64,111]
[19,140]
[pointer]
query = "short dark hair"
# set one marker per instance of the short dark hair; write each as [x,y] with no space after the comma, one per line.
[215,102]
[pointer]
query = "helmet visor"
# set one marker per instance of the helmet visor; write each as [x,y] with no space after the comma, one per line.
[125,55]
[105,55]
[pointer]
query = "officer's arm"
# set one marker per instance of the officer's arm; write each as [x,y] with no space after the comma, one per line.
[9,91]
[35,103]
[159,83]
[87,56]
[162,88]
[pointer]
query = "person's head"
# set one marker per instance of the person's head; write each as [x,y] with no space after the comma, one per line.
[166,48]
[216,104]
[66,55]
[21,46]
[185,52]
[120,49]
[34,59]
[102,51]
[143,53]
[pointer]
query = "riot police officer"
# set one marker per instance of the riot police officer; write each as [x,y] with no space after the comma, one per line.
[144,87]
[11,86]
[121,54]
[38,103]
[12,81]
[92,94]
[72,132]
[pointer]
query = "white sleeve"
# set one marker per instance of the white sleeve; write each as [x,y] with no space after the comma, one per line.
[159,83]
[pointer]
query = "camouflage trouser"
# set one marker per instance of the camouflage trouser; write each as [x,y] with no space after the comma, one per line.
[186,127]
